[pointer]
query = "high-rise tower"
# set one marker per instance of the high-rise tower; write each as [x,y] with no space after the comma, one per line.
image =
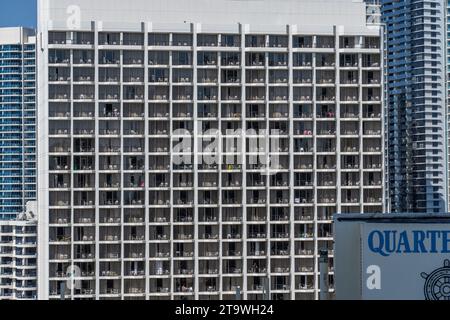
[416,104]
[120,87]
[18,238]
[17,120]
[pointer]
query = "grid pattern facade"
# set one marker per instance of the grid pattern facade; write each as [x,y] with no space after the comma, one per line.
[17,128]
[138,226]
[416,104]
[18,259]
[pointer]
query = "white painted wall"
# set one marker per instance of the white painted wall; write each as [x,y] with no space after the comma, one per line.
[17,35]
[281,12]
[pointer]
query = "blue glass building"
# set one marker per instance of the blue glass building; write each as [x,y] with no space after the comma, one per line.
[416,95]
[17,120]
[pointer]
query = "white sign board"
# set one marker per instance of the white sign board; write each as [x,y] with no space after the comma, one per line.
[405,261]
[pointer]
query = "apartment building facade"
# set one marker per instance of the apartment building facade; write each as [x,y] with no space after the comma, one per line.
[18,256]
[148,183]
[416,101]
[17,120]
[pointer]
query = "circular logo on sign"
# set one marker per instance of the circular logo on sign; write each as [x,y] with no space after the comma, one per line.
[437,283]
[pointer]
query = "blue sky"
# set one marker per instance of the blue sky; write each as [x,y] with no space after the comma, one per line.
[14,13]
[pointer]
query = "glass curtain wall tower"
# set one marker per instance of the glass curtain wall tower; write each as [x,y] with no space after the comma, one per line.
[18,243]
[416,103]
[17,121]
